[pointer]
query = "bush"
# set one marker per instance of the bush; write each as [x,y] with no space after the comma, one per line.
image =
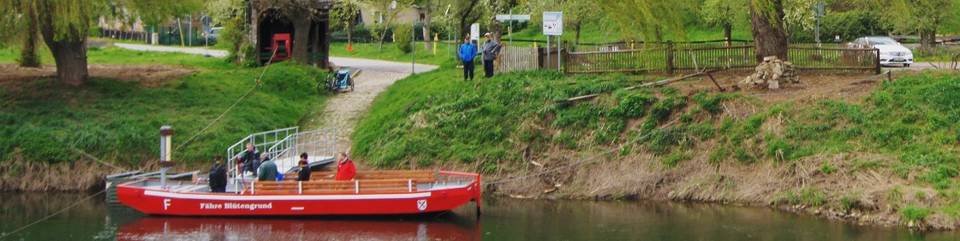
[403,37]
[914,214]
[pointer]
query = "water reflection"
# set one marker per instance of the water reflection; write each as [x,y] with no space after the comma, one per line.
[421,228]
[502,219]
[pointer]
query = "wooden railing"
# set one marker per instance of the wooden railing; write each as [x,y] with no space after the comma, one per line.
[670,58]
[513,58]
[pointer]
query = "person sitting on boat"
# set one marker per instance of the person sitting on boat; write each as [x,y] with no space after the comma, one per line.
[304,173]
[345,168]
[218,178]
[249,159]
[268,170]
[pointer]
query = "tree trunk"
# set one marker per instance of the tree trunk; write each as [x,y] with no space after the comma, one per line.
[576,28]
[71,59]
[69,52]
[350,36]
[727,33]
[301,39]
[465,18]
[28,54]
[426,28]
[928,39]
[770,37]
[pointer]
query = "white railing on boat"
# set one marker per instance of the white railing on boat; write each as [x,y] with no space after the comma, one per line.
[318,144]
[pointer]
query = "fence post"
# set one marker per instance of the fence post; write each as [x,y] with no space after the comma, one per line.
[670,52]
[877,66]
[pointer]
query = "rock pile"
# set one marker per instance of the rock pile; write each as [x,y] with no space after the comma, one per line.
[772,73]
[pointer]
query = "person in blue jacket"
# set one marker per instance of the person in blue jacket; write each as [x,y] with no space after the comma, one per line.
[468,51]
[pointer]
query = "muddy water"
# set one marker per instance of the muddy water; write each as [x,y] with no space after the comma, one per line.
[502,219]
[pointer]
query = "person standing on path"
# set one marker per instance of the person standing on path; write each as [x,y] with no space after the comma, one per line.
[467,52]
[490,51]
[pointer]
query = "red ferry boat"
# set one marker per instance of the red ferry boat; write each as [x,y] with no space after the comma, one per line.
[372,193]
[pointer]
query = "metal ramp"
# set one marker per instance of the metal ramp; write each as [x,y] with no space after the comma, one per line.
[284,146]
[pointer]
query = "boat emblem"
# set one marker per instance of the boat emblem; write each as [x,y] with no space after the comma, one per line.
[422,204]
[166,203]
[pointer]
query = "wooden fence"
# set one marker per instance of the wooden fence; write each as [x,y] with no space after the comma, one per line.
[517,59]
[690,58]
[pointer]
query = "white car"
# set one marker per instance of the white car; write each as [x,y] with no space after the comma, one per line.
[891,51]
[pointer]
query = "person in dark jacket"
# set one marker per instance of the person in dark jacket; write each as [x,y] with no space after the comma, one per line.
[218,178]
[249,159]
[304,173]
[490,51]
[467,52]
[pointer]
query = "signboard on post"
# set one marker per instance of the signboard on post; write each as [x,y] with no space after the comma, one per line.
[508,17]
[475,32]
[553,23]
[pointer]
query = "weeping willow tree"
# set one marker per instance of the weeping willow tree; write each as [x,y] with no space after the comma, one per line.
[648,20]
[769,30]
[923,17]
[21,28]
[64,25]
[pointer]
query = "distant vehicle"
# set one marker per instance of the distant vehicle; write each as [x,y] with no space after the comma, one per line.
[891,51]
[213,34]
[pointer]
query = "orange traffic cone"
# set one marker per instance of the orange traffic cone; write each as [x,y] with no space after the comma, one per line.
[350,47]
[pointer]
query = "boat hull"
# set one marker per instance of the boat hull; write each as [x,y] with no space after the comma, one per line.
[155,201]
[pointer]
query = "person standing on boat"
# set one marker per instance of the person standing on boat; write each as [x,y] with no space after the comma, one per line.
[304,173]
[218,178]
[345,168]
[249,159]
[268,170]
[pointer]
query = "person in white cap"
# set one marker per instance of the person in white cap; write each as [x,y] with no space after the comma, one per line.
[490,51]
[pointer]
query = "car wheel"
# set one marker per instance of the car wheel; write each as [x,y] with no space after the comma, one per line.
[906,65]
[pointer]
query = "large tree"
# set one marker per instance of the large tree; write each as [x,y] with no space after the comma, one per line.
[923,17]
[649,20]
[344,15]
[64,25]
[725,14]
[20,21]
[388,10]
[769,30]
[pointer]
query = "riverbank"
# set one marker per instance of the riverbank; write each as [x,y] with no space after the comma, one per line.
[55,132]
[849,147]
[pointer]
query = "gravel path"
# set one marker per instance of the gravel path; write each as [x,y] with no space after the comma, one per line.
[343,110]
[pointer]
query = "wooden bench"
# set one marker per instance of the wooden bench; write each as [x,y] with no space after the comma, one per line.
[378,186]
[420,176]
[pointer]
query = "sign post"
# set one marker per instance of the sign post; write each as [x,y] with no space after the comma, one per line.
[475,32]
[553,26]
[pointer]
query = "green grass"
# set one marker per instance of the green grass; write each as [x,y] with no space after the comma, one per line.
[606,33]
[444,54]
[117,120]
[436,118]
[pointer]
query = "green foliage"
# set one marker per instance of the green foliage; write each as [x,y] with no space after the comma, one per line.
[675,158]
[118,120]
[826,168]
[914,214]
[403,38]
[805,196]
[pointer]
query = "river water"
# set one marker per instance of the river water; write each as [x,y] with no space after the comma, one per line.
[502,219]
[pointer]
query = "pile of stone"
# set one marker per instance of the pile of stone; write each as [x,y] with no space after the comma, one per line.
[772,73]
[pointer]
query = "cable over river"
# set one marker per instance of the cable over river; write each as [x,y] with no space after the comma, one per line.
[502,219]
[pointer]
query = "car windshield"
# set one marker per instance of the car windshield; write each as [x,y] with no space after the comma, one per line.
[881,41]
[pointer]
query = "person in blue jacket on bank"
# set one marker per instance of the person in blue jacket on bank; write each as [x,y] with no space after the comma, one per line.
[467,52]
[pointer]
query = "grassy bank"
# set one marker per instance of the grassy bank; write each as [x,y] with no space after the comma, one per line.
[118,120]
[390,52]
[686,145]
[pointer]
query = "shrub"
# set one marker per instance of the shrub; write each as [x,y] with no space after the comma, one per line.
[914,214]
[403,37]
